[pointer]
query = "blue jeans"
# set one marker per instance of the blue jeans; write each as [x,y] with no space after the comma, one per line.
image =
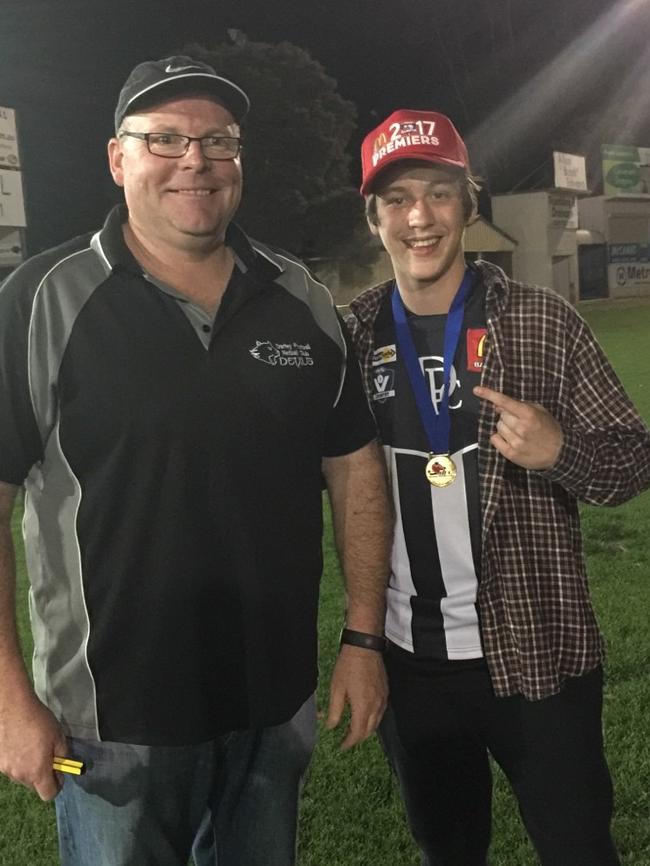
[145,805]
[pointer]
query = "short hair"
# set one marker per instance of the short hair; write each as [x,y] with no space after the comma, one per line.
[469,186]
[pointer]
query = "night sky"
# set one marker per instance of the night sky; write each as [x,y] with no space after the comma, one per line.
[519,78]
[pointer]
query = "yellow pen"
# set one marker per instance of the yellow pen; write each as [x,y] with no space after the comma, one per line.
[68,765]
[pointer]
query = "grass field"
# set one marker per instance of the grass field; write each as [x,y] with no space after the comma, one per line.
[351,814]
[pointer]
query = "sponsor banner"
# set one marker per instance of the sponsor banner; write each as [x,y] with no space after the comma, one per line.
[570,171]
[11,251]
[626,169]
[630,275]
[8,140]
[629,266]
[12,206]
[563,211]
[628,253]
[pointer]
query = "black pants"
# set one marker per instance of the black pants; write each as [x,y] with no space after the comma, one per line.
[438,731]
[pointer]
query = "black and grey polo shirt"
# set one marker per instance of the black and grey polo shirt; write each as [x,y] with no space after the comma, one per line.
[172,467]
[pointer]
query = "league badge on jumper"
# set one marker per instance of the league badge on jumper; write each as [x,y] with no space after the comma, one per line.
[383,380]
[476,347]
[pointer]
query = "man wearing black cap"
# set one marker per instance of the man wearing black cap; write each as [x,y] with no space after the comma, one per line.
[497,410]
[171,394]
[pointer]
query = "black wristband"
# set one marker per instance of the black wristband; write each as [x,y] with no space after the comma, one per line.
[363,640]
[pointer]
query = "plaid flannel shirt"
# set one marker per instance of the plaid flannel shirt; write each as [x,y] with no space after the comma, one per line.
[537,622]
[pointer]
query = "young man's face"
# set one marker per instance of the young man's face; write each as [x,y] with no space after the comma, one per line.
[421,223]
[186,201]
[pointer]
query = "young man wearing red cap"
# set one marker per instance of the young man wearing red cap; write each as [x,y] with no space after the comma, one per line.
[171,395]
[498,411]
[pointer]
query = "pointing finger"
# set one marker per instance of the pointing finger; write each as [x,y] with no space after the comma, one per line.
[499,401]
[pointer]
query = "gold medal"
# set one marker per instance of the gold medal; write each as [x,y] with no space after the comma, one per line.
[440,470]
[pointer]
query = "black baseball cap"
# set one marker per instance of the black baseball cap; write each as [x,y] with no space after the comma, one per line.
[154,79]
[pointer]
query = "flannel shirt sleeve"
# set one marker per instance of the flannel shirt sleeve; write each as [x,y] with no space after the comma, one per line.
[605,455]
[361,341]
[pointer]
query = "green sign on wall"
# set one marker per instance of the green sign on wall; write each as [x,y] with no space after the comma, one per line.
[626,169]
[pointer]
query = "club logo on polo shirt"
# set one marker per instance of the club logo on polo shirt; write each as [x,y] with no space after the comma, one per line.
[282,354]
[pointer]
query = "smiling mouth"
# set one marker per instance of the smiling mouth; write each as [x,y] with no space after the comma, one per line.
[197,193]
[422,243]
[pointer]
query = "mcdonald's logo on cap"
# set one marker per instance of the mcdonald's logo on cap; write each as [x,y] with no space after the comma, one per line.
[380,141]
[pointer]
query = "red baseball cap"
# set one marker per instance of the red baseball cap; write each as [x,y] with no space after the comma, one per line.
[408,134]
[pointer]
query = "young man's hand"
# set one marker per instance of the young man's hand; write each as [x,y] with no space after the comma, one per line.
[527,434]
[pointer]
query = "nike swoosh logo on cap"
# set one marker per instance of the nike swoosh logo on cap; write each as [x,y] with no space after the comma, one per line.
[170,68]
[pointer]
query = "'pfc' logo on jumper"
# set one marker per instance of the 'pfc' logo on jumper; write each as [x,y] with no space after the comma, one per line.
[476,347]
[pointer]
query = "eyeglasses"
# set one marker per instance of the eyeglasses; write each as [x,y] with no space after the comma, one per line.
[171,146]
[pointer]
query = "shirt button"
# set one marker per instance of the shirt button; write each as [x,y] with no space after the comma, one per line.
[206,329]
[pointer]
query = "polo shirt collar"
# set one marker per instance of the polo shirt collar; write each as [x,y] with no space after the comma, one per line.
[110,246]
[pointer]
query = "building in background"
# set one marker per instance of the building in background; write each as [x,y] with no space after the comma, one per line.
[12,204]
[615,242]
[544,224]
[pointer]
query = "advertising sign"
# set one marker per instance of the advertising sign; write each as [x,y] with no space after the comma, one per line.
[626,169]
[8,140]
[570,171]
[563,211]
[11,253]
[12,206]
[629,265]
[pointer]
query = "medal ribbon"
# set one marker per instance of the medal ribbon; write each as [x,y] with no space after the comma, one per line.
[436,423]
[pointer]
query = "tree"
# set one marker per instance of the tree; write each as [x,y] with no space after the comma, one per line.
[297,190]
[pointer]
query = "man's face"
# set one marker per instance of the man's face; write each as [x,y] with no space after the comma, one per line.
[185,202]
[421,224]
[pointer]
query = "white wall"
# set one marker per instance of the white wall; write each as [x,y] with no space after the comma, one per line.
[592,214]
[525,216]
